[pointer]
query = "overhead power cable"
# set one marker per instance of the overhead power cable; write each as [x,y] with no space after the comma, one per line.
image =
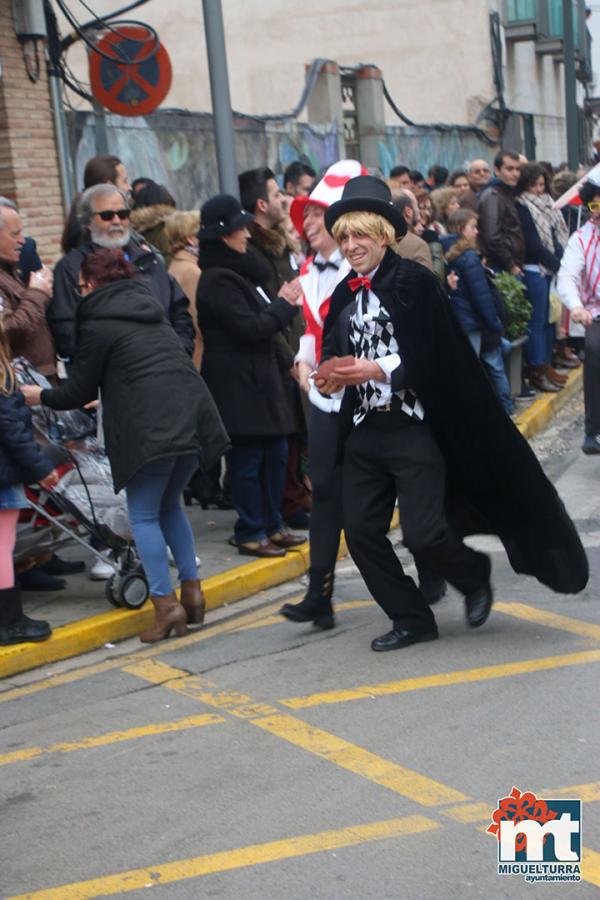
[101,24]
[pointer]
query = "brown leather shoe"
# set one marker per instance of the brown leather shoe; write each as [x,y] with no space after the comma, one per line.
[169,614]
[566,357]
[263,548]
[541,382]
[557,377]
[287,539]
[192,600]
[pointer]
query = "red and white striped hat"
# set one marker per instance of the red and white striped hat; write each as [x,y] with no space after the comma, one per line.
[327,191]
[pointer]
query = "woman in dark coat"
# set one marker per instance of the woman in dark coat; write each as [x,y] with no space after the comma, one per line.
[21,461]
[158,420]
[546,236]
[240,367]
[473,301]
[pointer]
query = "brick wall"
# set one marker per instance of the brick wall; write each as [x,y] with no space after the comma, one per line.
[29,172]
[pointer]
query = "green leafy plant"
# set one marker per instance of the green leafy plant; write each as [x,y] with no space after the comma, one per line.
[518,307]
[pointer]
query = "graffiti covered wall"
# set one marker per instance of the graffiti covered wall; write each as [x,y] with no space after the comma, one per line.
[177,149]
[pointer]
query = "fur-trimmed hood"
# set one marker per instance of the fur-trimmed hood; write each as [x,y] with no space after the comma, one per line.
[269,240]
[146,218]
[458,245]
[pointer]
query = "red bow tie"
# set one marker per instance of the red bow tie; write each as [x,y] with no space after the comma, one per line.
[361,281]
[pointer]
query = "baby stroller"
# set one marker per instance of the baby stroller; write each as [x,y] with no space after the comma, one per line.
[82,507]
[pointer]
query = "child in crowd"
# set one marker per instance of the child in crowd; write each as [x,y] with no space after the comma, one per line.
[21,460]
[473,299]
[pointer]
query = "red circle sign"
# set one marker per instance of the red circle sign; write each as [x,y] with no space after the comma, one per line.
[131,88]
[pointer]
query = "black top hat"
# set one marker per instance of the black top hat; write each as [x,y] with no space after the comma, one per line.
[221,215]
[366,194]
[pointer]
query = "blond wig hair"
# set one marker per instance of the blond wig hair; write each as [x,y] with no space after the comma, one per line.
[364,223]
[179,227]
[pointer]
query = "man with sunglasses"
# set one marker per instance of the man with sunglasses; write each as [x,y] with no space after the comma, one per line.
[579,289]
[104,216]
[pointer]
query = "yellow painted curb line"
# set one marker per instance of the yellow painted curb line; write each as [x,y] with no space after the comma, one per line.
[542,411]
[227,587]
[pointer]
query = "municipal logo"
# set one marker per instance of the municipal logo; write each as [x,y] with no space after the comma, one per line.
[538,839]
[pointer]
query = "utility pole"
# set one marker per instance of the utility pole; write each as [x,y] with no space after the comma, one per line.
[570,87]
[221,101]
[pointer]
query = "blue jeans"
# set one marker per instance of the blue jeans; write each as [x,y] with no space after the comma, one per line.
[257,467]
[157,519]
[538,349]
[493,362]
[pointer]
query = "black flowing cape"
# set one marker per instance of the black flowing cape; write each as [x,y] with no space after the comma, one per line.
[494,482]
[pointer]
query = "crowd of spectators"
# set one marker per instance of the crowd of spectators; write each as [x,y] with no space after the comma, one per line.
[227,283]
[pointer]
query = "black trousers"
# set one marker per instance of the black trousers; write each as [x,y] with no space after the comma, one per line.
[390,455]
[326,479]
[591,379]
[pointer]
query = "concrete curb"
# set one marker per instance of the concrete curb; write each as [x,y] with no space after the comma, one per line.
[542,411]
[227,587]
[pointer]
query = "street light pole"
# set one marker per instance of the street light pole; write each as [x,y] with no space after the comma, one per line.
[570,87]
[221,101]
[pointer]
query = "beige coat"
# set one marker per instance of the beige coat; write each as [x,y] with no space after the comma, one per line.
[184,269]
[415,248]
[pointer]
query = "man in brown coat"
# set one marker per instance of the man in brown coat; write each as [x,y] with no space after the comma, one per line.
[500,234]
[411,246]
[24,306]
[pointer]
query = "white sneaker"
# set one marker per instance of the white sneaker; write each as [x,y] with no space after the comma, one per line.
[172,562]
[101,571]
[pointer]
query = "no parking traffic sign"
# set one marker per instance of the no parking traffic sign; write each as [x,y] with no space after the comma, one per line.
[131,88]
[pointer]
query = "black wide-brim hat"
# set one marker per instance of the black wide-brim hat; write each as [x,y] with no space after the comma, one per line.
[222,215]
[366,194]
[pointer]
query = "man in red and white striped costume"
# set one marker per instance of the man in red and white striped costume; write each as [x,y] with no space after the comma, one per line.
[319,276]
[579,288]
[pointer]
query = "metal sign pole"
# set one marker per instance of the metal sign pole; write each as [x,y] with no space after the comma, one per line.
[570,87]
[221,101]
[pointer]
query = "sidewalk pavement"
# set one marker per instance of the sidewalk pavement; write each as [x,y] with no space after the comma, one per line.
[83,619]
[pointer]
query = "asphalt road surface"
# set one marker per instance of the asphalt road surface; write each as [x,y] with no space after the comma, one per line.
[261,759]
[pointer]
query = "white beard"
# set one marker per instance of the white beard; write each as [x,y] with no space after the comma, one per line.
[110,242]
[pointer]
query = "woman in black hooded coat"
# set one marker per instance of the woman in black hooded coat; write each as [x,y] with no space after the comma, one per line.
[158,418]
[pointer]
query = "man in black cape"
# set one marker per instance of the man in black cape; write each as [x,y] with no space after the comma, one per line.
[421,423]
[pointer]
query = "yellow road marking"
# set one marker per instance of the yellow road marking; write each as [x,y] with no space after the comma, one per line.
[443,679]
[585,792]
[327,746]
[549,619]
[590,866]
[406,782]
[158,649]
[112,737]
[226,861]
[470,812]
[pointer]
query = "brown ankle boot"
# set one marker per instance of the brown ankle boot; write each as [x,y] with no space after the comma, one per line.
[168,614]
[192,600]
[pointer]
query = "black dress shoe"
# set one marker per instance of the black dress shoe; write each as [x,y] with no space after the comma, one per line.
[320,614]
[36,580]
[58,566]
[479,604]
[397,638]
[23,630]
